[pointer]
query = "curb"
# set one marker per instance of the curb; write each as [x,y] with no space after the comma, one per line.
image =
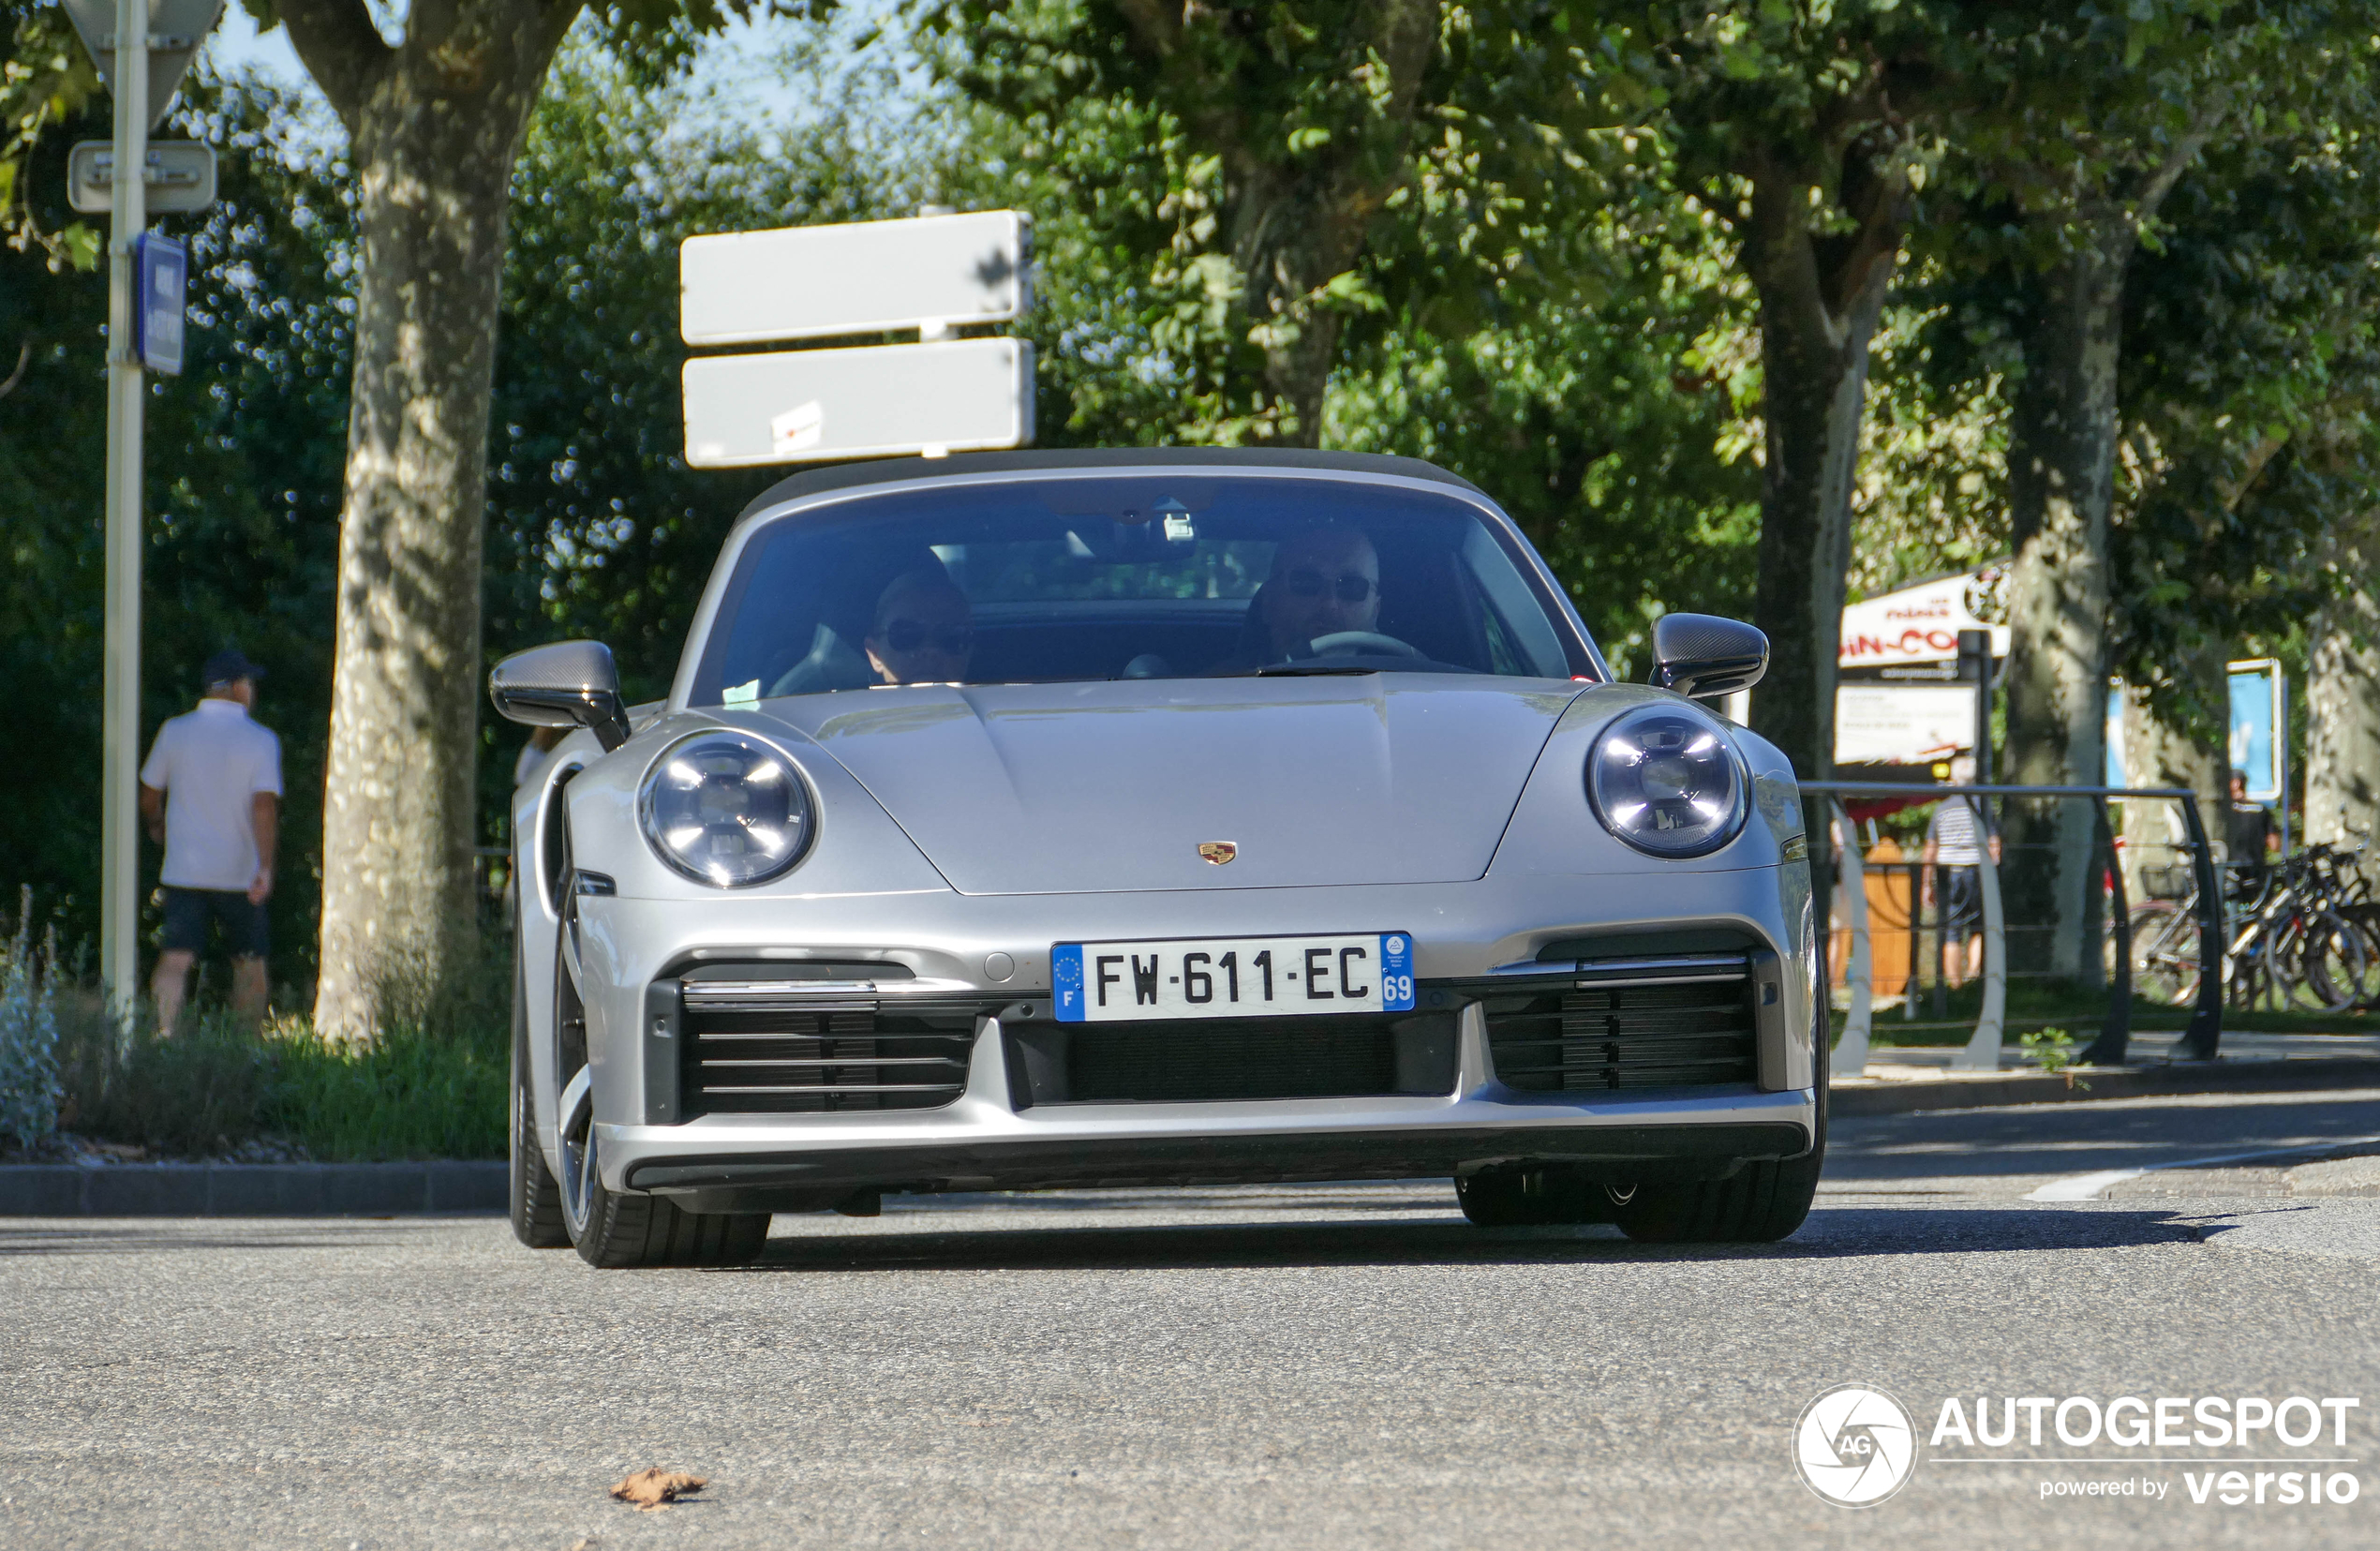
[249,1189]
[1896,1097]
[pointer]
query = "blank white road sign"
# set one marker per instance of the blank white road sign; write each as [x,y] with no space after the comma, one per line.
[812,282]
[180,176]
[796,406]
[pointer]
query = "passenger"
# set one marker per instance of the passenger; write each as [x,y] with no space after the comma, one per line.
[924,631]
[1324,582]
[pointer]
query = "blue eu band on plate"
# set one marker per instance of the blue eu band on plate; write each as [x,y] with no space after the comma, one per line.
[1232,978]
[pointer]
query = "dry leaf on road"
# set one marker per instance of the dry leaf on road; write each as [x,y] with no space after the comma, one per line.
[653,1488]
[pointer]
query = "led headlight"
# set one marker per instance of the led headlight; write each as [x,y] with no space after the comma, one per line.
[1668,782]
[724,807]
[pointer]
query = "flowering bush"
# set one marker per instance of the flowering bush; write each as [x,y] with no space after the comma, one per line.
[28,1036]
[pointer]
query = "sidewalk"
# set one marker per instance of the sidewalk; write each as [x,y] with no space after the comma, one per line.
[1900,1079]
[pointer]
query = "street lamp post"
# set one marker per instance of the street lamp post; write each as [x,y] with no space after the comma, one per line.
[120,824]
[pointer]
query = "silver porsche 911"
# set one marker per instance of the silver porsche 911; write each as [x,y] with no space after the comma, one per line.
[1045,820]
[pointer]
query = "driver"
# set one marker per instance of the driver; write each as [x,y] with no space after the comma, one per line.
[924,631]
[1324,581]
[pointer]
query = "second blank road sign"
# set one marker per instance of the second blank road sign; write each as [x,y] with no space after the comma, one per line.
[798,406]
[180,176]
[814,282]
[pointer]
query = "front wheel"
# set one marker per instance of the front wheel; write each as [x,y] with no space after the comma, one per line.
[612,1229]
[535,1200]
[1759,1203]
[1530,1198]
[618,1230]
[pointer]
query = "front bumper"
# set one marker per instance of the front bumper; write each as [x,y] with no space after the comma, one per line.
[984,1141]
[994,1136]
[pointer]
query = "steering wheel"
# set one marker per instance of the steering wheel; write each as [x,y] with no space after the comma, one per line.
[1351,643]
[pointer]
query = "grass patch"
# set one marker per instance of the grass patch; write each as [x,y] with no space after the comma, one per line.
[411,1095]
[433,1085]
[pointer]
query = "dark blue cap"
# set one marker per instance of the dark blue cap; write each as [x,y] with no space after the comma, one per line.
[227,666]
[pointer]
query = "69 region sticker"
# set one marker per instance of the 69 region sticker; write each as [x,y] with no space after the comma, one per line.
[1854,1446]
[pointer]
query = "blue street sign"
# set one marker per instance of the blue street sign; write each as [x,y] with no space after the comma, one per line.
[161,273]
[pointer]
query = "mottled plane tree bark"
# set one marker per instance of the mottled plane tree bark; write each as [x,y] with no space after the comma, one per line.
[2342,694]
[2061,460]
[433,123]
[434,117]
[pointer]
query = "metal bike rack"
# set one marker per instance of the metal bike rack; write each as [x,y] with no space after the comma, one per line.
[2199,1042]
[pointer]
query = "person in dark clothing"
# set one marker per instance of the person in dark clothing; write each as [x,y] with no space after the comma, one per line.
[2248,838]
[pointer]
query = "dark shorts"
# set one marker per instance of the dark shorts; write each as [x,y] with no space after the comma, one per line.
[1962,905]
[188,910]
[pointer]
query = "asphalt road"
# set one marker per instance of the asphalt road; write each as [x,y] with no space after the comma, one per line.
[1337,1366]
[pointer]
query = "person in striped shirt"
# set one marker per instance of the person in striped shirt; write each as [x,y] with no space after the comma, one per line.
[1954,844]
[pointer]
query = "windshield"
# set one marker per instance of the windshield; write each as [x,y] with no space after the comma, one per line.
[1136,576]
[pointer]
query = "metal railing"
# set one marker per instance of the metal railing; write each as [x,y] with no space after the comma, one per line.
[2199,1041]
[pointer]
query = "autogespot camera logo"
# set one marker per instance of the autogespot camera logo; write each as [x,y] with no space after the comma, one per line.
[1854,1446]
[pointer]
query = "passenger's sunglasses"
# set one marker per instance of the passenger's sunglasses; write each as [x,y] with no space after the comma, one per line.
[909,635]
[1348,588]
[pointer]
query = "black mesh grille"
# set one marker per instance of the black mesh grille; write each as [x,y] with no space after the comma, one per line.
[815,1061]
[1232,1058]
[1625,1036]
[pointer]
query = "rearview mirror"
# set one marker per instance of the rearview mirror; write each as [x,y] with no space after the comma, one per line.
[1701,656]
[567,684]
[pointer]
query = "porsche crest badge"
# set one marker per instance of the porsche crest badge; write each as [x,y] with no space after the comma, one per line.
[1218,851]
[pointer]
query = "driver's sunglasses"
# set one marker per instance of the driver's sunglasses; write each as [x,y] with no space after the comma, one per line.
[1348,588]
[909,635]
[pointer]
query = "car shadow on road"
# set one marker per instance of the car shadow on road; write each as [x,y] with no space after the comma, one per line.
[1831,1232]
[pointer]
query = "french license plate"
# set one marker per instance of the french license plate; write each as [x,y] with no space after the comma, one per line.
[1231,978]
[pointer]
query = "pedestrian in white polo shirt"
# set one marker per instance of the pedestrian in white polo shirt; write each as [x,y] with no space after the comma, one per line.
[211,794]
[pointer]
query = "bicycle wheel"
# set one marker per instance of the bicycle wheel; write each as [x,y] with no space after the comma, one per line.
[2331,963]
[2164,953]
[2365,917]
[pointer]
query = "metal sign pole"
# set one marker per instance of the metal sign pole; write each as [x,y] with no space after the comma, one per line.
[120,826]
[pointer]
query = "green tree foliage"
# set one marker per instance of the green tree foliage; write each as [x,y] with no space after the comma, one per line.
[1793,124]
[46,79]
[1250,160]
[597,525]
[242,494]
[1551,324]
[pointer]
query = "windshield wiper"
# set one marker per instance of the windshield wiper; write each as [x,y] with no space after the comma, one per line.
[1307,670]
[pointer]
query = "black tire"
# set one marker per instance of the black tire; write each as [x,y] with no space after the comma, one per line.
[1529,1198]
[627,1231]
[535,1199]
[1760,1204]
[622,1231]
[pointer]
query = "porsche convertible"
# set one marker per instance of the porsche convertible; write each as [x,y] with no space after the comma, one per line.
[1055,820]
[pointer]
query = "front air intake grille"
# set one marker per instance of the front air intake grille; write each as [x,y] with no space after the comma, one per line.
[1204,1060]
[1640,1035]
[804,1060]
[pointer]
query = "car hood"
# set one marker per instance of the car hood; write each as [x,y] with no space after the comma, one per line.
[1051,788]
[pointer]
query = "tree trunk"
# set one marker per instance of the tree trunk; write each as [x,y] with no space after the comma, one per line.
[2061,477]
[2159,753]
[434,123]
[2342,698]
[1819,302]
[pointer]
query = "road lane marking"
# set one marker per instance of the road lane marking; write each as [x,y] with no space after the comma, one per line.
[2089,1187]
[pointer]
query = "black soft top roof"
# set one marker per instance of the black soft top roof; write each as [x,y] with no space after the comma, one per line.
[848,476]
